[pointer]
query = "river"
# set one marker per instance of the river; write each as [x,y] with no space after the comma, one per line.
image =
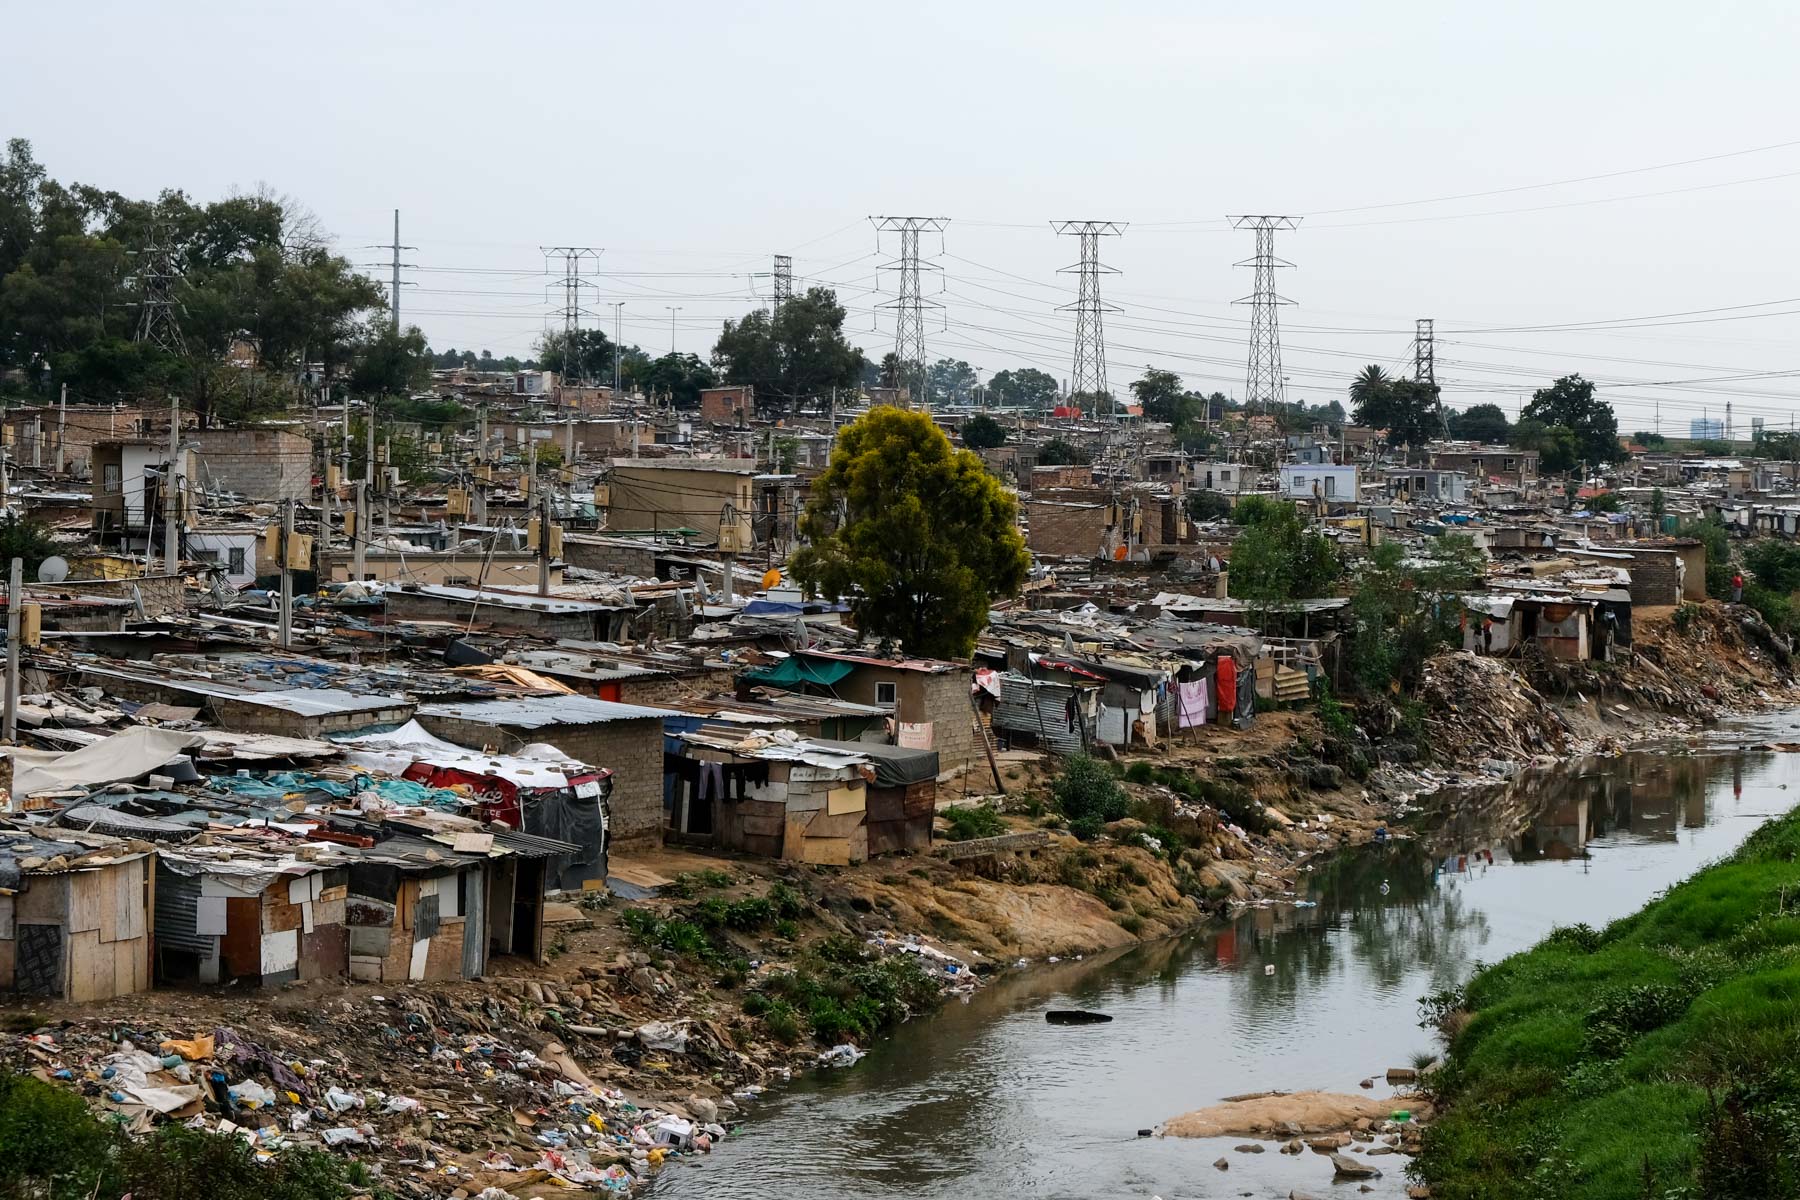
[986,1100]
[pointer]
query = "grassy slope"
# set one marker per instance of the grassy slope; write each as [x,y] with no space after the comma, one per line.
[1657,1058]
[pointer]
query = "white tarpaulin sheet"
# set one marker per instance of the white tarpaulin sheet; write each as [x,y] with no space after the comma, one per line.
[129,754]
[394,752]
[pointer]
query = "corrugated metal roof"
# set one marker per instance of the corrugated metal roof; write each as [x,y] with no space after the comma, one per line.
[539,712]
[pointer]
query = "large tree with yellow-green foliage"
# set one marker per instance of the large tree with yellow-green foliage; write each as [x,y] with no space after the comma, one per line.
[913,532]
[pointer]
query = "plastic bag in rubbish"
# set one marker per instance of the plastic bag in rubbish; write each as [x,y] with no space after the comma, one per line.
[844,1055]
[253,1094]
[344,1135]
[338,1100]
[401,1104]
[663,1035]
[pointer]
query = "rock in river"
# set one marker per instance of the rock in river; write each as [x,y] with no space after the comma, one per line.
[1350,1168]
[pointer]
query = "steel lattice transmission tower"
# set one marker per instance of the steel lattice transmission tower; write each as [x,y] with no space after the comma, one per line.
[157,275]
[1263,384]
[910,304]
[784,281]
[1424,352]
[1088,377]
[572,312]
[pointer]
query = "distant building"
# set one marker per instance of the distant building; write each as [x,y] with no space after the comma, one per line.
[1318,481]
[727,405]
[1706,429]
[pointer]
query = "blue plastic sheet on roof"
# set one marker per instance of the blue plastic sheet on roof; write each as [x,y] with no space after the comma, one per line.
[281,784]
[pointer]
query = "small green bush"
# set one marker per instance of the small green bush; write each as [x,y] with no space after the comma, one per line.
[970,821]
[1089,795]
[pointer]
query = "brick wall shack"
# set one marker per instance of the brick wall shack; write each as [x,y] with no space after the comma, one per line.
[262,464]
[629,744]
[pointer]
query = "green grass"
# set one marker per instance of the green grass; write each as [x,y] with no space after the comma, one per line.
[970,821]
[1658,1059]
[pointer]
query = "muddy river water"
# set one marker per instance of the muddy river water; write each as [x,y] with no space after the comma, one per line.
[986,1100]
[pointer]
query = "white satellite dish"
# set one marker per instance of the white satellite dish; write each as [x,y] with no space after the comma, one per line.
[54,569]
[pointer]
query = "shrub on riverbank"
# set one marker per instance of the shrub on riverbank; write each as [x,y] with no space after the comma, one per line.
[53,1148]
[1655,1058]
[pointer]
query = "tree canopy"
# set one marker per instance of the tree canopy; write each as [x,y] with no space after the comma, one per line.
[1059,452]
[1407,408]
[1570,402]
[1026,387]
[913,532]
[74,265]
[797,356]
[982,432]
[681,377]
[951,381]
[1555,444]
[1403,610]
[1277,558]
[1484,423]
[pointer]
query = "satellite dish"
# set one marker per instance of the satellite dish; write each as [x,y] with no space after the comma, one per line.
[53,570]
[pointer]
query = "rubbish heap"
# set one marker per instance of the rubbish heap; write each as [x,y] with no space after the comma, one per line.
[436,1096]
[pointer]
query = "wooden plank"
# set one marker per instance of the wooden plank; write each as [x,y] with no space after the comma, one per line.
[793,842]
[106,897]
[7,978]
[125,954]
[826,851]
[84,901]
[81,954]
[844,799]
[128,901]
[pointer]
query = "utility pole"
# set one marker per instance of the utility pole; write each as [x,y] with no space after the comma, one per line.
[1263,382]
[172,494]
[673,309]
[1089,374]
[62,433]
[360,538]
[481,458]
[541,502]
[327,498]
[910,304]
[9,717]
[285,628]
[394,287]
[574,364]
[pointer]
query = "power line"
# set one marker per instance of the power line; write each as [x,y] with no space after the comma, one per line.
[1263,382]
[1088,378]
[910,304]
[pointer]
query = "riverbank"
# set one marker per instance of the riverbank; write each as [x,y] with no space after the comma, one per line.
[1649,1058]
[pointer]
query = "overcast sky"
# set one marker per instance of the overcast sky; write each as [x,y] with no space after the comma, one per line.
[692,141]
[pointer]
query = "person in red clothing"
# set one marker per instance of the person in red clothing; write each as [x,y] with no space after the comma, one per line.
[1737,588]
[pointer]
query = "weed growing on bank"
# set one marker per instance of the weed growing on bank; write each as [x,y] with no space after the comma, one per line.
[53,1148]
[1657,1058]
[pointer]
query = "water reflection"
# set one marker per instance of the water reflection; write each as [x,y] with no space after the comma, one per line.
[985,1100]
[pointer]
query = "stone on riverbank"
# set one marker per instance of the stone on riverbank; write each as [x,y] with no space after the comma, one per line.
[1266,1114]
[1349,1168]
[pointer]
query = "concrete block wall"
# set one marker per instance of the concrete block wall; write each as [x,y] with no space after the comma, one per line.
[263,464]
[1075,530]
[631,749]
[953,733]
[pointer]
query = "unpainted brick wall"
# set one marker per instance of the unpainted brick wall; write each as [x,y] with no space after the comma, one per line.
[631,749]
[263,464]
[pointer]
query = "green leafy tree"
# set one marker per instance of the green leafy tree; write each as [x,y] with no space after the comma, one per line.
[1712,447]
[1570,403]
[1406,408]
[1402,611]
[1485,423]
[796,356]
[1556,447]
[590,358]
[1207,506]
[1604,502]
[390,362]
[1026,387]
[952,381]
[1277,559]
[681,377]
[913,532]
[982,432]
[1659,504]
[1712,535]
[26,539]
[1060,452]
[1648,440]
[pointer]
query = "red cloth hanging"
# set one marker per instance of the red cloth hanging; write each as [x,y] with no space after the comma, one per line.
[1227,683]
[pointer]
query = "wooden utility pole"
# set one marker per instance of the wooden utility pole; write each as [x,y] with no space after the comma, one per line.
[286,614]
[360,538]
[9,716]
[172,495]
